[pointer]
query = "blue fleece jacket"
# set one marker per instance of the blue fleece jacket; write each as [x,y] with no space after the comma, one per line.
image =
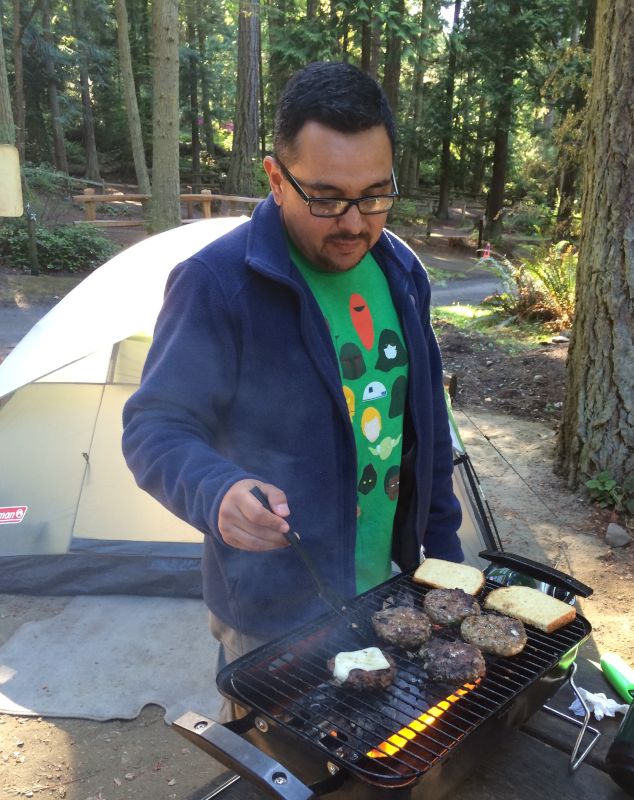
[242,381]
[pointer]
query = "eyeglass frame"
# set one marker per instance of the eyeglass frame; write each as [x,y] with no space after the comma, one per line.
[350,202]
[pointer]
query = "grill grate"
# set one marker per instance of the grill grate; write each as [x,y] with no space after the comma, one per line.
[392,736]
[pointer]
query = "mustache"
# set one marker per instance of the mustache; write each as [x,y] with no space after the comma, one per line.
[348,237]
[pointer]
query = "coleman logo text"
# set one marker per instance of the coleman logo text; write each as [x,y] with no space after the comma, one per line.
[12,514]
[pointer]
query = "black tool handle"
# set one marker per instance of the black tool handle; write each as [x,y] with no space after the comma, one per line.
[241,756]
[534,569]
[327,594]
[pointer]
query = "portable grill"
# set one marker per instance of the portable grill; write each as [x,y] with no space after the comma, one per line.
[416,738]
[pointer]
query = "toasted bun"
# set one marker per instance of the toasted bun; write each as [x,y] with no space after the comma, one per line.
[533,607]
[448,575]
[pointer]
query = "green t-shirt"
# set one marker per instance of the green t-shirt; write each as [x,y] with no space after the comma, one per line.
[368,340]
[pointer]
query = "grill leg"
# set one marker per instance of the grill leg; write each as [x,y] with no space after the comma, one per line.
[576,761]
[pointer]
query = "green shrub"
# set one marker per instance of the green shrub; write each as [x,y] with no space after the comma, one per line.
[64,248]
[541,287]
[607,493]
[528,217]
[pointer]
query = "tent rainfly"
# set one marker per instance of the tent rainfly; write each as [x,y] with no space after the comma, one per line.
[72,520]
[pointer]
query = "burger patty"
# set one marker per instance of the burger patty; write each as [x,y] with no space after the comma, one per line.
[363,679]
[449,606]
[494,633]
[454,662]
[403,626]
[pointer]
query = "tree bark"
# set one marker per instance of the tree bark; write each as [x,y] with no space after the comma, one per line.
[204,80]
[409,167]
[241,177]
[164,211]
[393,55]
[495,199]
[597,430]
[442,212]
[18,75]
[131,104]
[90,144]
[192,75]
[59,145]
[570,169]
[7,128]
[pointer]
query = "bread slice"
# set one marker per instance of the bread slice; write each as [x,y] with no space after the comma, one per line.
[531,606]
[448,575]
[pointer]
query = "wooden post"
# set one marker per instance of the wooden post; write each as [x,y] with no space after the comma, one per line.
[90,207]
[206,204]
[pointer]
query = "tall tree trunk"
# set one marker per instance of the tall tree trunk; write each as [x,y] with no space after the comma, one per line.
[192,77]
[131,105]
[570,169]
[241,176]
[477,174]
[7,128]
[204,80]
[597,433]
[393,53]
[90,144]
[60,158]
[442,212]
[18,74]
[495,199]
[164,211]
[409,167]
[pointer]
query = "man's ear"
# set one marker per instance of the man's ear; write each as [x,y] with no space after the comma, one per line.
[274,172]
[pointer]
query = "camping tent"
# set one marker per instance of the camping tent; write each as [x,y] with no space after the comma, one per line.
[72,519]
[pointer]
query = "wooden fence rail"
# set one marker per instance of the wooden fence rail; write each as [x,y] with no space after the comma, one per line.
[89,200]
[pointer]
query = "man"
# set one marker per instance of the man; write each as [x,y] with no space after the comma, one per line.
[296,354]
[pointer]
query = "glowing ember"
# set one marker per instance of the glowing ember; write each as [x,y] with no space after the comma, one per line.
[399,739]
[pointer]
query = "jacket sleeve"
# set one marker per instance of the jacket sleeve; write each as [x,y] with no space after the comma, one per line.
[172,424]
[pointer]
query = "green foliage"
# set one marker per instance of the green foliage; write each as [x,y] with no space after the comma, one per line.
[607,493]
[45,178]
[541,287]
[404,212]
[64,248]
[528,217]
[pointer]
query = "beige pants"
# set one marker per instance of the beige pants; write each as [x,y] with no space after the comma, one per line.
[233,644]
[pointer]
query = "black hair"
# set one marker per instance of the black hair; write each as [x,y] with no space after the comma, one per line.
[336,95]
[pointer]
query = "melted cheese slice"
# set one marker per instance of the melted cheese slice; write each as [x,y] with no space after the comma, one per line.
[369,659]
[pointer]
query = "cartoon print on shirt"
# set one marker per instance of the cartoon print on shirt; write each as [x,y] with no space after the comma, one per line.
[374,391]
[391,481]
[384,449]
[368,480]
[392,353]
[362,320]
[371,424]
[350,401]
[352,363]
[399,394]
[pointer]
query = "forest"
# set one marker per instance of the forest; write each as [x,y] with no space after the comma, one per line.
[489,96]
[522,108]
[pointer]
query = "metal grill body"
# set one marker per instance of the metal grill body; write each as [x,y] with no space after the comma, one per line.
[414,725]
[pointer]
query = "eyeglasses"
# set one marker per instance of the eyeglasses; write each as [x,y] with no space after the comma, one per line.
[338,206]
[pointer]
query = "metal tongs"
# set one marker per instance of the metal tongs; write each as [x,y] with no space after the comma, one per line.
[354,619]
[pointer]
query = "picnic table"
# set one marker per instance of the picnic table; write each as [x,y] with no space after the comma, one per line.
[89,200]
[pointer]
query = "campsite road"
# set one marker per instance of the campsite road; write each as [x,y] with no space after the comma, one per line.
[471,285]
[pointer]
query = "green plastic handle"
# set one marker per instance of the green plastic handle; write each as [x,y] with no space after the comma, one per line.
[620,675]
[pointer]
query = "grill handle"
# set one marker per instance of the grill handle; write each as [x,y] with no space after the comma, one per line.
[541,572]
[241,756]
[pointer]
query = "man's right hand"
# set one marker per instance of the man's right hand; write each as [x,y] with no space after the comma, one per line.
[244,523]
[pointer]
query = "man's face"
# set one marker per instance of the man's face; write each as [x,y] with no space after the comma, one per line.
[327,163]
